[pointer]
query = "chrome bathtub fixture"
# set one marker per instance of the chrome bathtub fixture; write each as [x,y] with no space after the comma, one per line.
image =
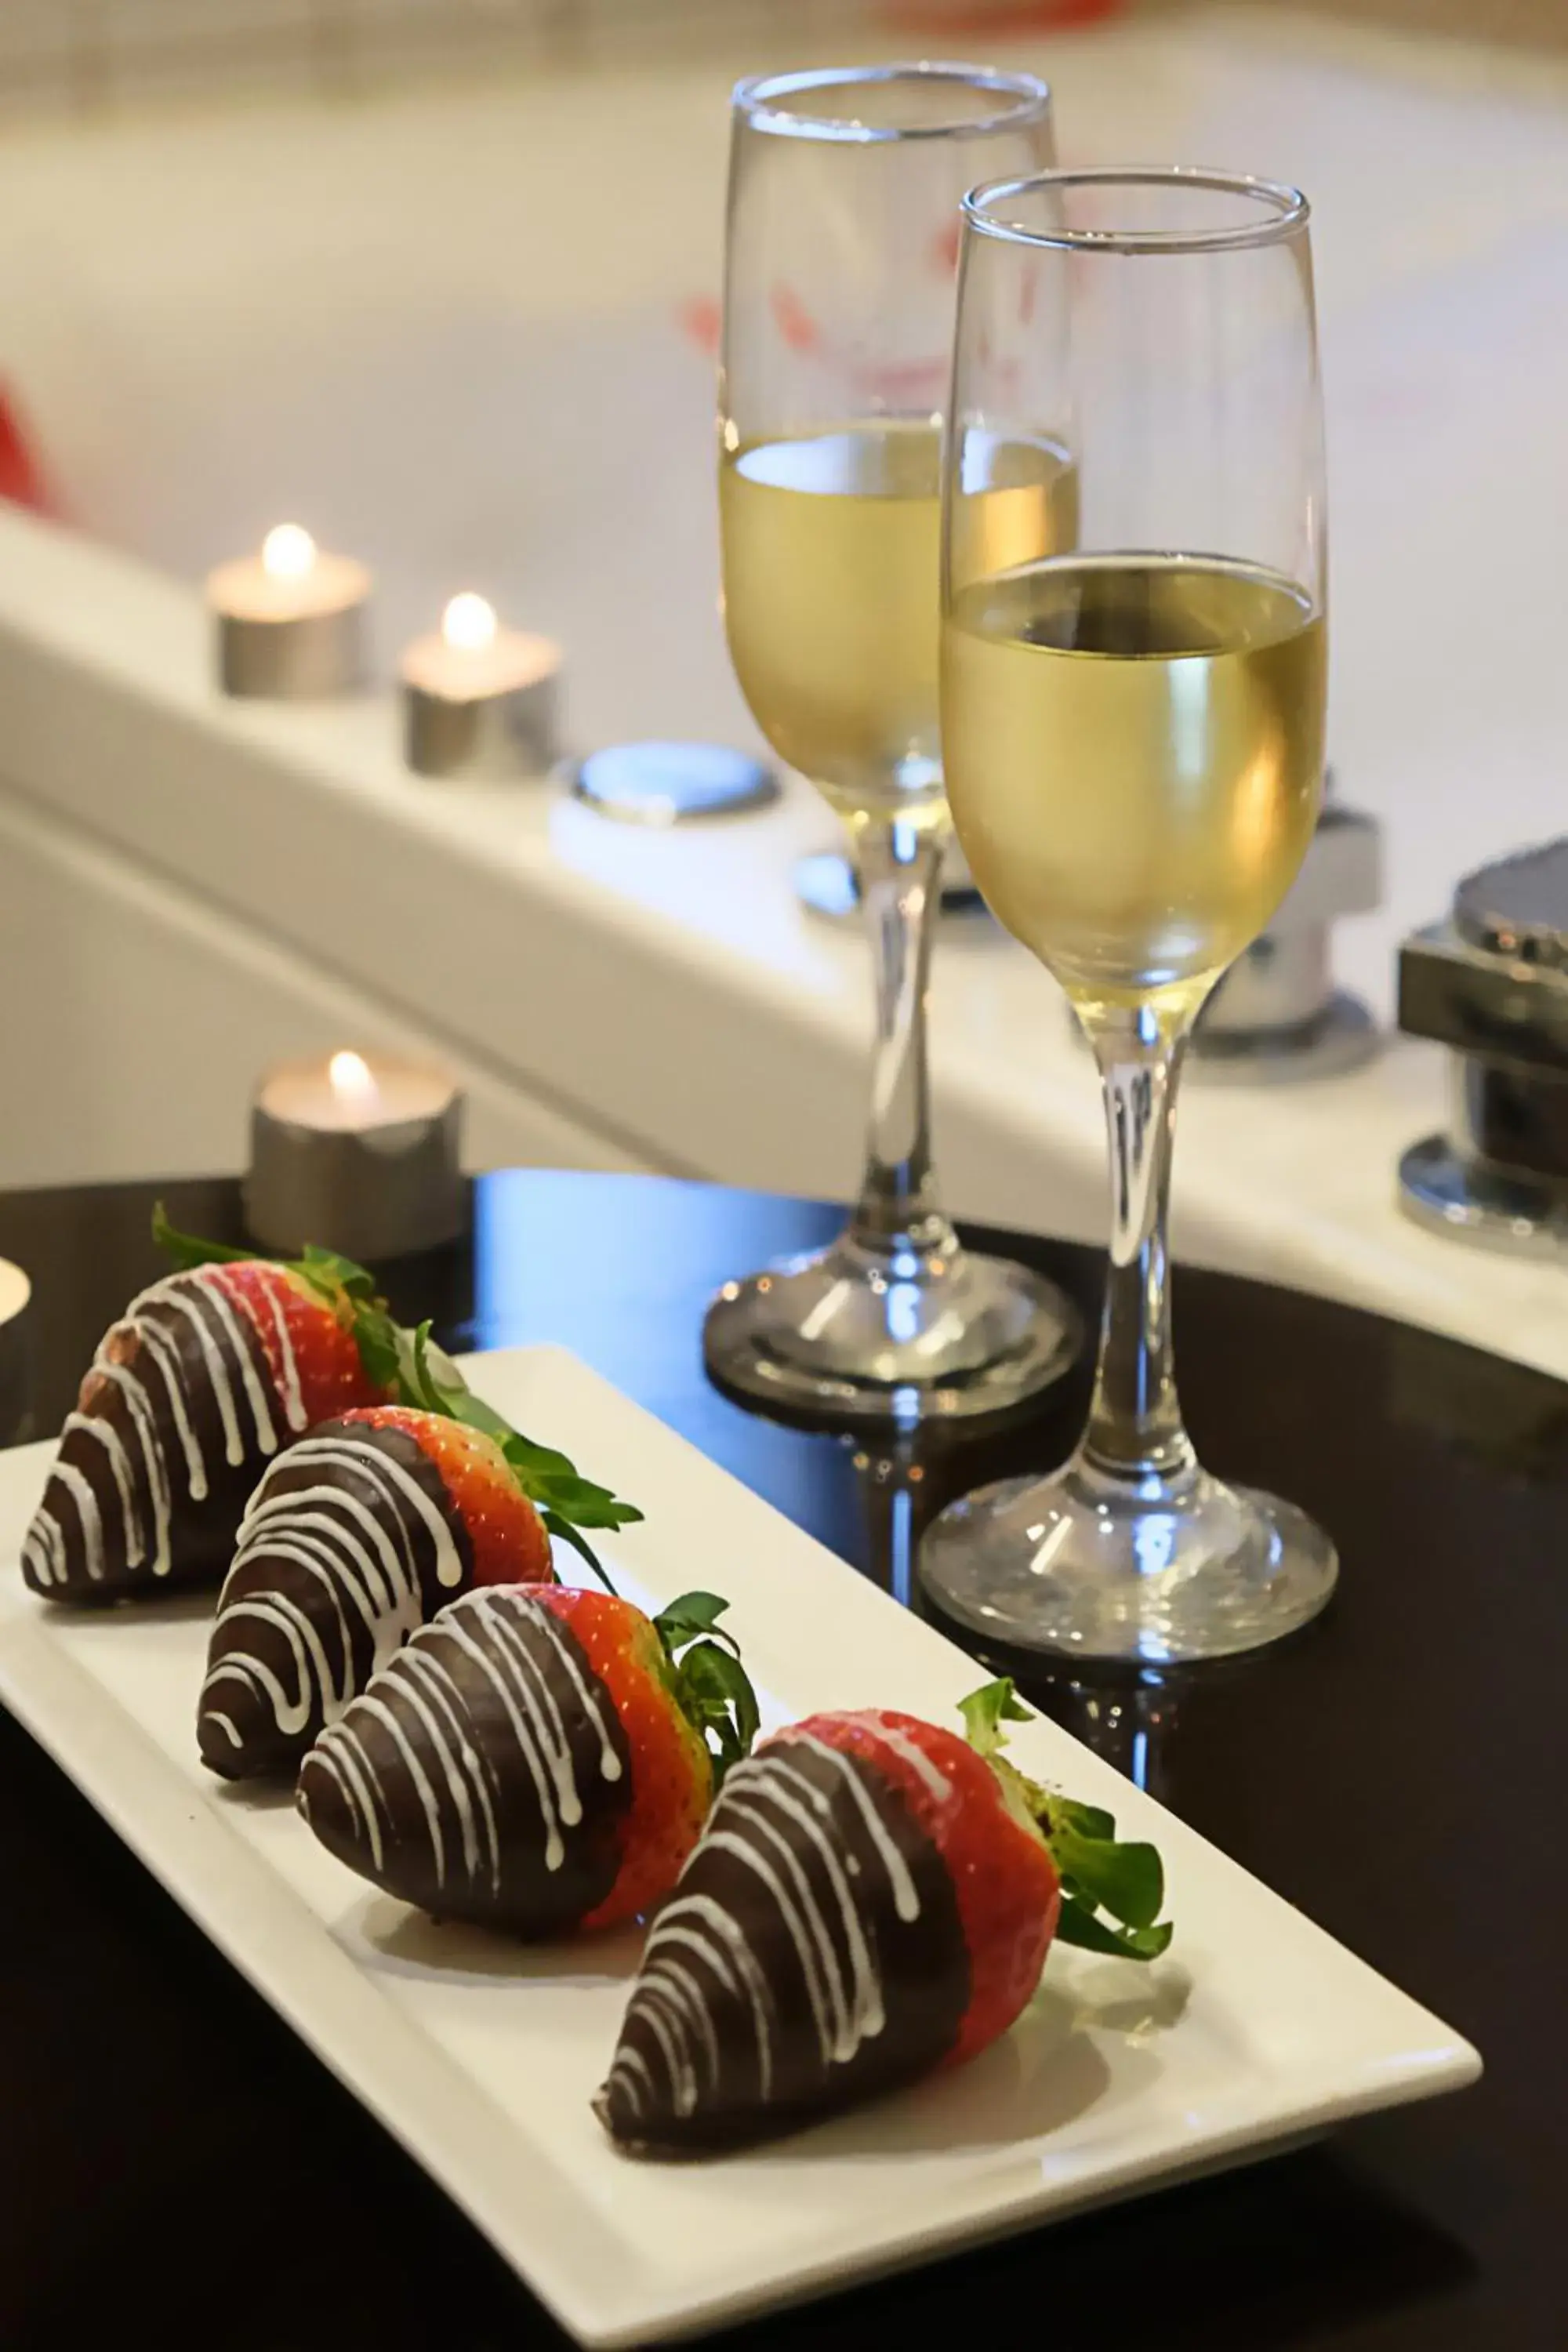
[825,883]
[1490,982]
[671,783]
[1277,1013]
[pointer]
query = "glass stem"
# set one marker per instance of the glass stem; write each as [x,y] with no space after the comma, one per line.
[1135,1428]
[900,867]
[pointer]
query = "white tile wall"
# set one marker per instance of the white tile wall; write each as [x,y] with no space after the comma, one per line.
[67,55]
[37,38]
[91,55]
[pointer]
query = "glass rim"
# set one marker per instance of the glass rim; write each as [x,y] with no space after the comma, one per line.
[1283,210]
[754,97]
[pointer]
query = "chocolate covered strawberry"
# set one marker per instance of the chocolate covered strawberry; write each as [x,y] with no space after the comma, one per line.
[189,1396]
[873,1898]
[203,1380]
[537,1760]
[355,1536]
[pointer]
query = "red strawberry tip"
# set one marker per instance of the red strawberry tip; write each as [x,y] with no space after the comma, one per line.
[1113,1888]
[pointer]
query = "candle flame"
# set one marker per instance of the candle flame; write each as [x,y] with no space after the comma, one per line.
[352,1081]
[287,553]
[468,623]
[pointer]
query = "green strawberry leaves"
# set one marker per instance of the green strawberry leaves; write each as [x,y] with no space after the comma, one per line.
[722,1702]
[1079,1922]
[693,1615]
[414,1372]
[567,1502]
[710,1684]
[1113,1888]
[984,1712]
[185,1251]
[1106,1874]
[338,1277]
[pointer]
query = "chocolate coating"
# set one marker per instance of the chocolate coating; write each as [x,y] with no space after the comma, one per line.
[483,1774]
[811,1955]
[177,1418]
[350,1541]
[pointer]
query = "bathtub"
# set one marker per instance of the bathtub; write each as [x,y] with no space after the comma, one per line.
[465,331]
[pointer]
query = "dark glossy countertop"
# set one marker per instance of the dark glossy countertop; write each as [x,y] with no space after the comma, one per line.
[175,2167]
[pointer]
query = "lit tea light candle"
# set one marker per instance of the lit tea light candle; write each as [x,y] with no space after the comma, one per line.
[15,1366]
[290,619]
[353,1089]
[358,1152]
[479,700]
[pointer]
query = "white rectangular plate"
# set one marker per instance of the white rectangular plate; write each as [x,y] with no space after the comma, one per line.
[482,2056]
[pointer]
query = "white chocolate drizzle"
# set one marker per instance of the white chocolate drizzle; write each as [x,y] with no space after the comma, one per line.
[493,1642]
[784,1828]
[161,1372]
[342,1523]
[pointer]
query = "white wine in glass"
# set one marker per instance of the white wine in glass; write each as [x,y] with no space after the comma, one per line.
[1132,737]
[839,299]
[832,545]
[1136,744]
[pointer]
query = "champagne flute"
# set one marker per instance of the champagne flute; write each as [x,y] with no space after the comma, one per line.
[1132,734]
[838,304]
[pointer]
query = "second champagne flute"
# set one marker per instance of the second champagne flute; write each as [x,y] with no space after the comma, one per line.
[1133,735]
[838,303]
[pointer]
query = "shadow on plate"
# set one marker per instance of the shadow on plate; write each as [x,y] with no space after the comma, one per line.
[1046,2073]
[187,1604]
[1118,1997]
[271,1794]
[412,1944]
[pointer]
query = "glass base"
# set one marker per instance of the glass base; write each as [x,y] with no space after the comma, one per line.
[858,1334]
[1088,1566]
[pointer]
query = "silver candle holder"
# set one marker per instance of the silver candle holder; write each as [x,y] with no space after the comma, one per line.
[291,620]
[1490,982]
[356,1152]
[480,701]
[16,1325]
